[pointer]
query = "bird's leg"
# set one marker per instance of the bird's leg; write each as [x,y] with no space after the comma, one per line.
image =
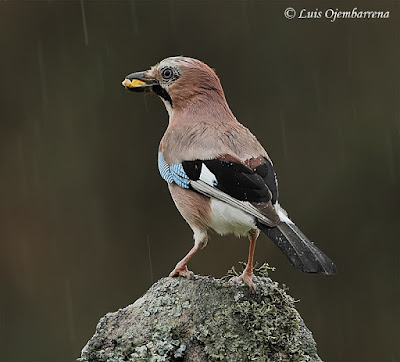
[181,268]
[200,241]
[247,275]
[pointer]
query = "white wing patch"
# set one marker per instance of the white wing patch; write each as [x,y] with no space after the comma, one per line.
[207,176]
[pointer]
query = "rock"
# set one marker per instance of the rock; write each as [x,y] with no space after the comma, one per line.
[204,319]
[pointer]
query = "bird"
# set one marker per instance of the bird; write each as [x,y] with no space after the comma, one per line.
[219,175]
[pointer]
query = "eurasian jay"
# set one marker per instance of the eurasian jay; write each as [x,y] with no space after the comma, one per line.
[218,174]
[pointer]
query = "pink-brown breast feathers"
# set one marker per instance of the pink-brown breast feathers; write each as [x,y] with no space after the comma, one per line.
[194,207]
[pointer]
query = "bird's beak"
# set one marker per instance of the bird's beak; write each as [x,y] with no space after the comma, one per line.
[139,82]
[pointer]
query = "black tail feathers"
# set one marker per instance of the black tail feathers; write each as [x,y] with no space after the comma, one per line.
[301,252]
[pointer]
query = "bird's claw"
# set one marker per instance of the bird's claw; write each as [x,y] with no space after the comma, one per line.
[182,271]
[246,278]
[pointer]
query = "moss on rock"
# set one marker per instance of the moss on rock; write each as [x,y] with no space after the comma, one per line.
[204,319]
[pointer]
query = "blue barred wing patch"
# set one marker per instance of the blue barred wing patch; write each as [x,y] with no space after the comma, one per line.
[163,167]
[179,175]
[173,173]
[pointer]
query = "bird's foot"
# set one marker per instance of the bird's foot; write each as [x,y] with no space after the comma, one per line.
[246,277]
[182,271]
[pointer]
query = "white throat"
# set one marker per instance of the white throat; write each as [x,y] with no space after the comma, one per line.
[168,107]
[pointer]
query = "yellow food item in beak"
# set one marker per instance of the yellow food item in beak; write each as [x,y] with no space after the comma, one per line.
[133,83]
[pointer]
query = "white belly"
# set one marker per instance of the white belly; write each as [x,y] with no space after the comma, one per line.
[226,219]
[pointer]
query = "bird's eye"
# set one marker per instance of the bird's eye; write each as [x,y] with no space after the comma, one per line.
[167,73]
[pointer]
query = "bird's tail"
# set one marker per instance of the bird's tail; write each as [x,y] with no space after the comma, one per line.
[301,252]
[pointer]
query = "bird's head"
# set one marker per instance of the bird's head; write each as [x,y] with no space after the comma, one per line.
[180,82]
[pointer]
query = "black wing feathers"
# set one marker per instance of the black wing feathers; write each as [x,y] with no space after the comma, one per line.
[192,169]
[256,184]
[239,181]
[267,172]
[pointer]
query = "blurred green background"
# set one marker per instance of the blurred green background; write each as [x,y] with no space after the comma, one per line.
[87,224]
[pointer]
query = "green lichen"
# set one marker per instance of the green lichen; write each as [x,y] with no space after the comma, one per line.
[205,319]
[263,327]
[162,347]
[262,271]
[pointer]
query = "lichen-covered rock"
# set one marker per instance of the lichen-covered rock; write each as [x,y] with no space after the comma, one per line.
[204,319]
